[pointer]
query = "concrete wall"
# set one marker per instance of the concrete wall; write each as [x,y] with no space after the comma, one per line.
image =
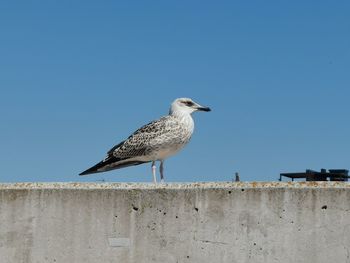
[207,222]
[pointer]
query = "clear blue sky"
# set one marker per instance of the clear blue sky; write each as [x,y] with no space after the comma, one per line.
[77,77]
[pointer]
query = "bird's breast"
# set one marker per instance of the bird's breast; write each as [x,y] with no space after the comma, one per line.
[171,142]
[172,138]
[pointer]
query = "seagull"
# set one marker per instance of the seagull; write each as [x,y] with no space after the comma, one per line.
[153,142]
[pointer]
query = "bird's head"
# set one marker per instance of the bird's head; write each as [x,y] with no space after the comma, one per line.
[186,105]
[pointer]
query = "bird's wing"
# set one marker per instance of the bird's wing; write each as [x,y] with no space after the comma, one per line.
[125,153]
[138,143]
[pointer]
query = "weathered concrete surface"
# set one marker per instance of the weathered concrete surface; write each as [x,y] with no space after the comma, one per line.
[206,222]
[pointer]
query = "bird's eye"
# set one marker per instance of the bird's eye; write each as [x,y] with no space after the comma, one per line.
[188,103]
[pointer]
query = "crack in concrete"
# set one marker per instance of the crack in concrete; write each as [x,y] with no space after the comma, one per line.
[213,242]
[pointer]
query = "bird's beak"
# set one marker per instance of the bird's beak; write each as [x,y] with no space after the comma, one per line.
[201,108]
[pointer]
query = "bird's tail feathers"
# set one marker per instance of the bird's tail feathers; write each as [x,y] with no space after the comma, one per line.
[110,163]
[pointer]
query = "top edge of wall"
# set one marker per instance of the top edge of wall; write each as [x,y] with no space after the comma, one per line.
[199,185]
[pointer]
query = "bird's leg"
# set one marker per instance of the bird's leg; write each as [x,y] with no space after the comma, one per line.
[161,170]
[154,172]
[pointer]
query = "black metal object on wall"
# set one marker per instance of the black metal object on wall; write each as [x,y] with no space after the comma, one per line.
[323,175]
